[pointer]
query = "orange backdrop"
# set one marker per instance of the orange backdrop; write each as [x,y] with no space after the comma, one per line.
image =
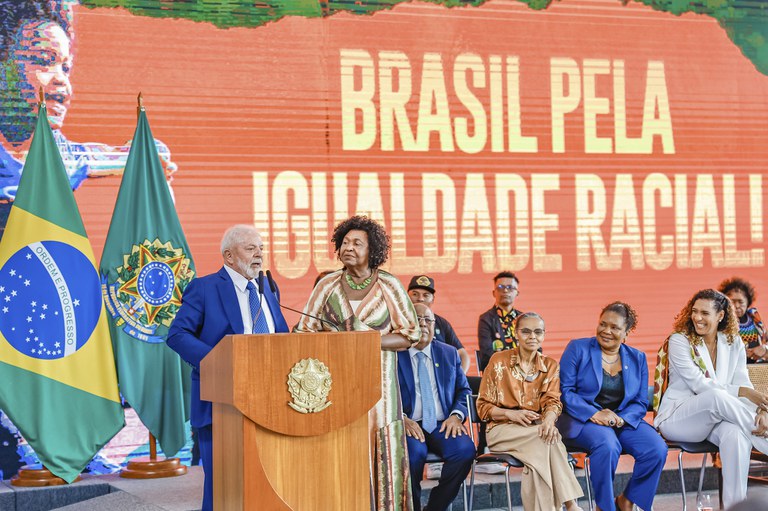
[601,151]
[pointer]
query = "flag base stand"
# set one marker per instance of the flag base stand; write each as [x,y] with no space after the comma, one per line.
[36,476]
[147,468]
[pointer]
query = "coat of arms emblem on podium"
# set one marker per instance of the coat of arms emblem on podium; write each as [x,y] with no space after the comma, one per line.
[309,383]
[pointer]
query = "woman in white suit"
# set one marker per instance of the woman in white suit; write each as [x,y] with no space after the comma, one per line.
[709,395]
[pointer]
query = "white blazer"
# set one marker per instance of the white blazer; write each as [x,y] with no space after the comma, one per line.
[687,380]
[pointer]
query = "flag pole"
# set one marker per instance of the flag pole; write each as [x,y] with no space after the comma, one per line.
[152,439]
[33,476]
[151,468]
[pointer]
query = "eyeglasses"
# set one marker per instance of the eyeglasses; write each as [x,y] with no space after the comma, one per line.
[506,287]
[425,319]
[527,332]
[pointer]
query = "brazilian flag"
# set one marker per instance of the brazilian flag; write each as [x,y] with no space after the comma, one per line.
[56,364]
[145,267]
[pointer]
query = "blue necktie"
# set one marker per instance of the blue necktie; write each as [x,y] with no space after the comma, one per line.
[259,323]
[428,416]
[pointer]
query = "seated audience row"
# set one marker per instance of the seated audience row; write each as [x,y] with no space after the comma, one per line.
[595,400]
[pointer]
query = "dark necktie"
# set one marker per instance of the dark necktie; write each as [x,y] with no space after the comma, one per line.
[257,313]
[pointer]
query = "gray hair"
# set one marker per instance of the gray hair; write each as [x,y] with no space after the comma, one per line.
[528,315]
[235,235]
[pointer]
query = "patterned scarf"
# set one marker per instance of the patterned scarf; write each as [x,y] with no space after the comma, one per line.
[752,330]
[508,321]
[661,374]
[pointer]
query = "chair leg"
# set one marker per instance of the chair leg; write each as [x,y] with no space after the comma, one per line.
[720,485]
[682,479]
[472,486]
[588,476]
[464,493]
[701,478]
[509,490]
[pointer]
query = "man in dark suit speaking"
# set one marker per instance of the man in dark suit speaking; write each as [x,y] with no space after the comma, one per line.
[434,392]
[230,301]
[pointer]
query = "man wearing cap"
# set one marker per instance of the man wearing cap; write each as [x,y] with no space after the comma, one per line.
[496,326]
[434,392]
[422,290]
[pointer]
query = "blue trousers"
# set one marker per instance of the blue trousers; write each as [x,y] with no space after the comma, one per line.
[457,454]
[205,435]
[605,445]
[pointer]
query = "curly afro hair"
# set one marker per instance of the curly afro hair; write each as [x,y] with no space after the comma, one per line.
[739,284]
[378,240]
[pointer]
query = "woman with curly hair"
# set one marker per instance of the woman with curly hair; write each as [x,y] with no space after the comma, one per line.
[360,296]
[751,328]
[605,398]
[708,395]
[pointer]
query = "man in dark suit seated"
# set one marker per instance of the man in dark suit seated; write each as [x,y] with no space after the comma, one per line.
[434,392]
[230,301]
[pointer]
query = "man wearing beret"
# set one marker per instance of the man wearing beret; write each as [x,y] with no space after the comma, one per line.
[421,289]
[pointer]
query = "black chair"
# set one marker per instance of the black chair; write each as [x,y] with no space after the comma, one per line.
[705,448]
[477,362]
[507,460]
[587,474]
[474,384]
[434,458]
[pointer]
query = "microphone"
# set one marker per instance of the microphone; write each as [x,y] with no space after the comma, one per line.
[273,288]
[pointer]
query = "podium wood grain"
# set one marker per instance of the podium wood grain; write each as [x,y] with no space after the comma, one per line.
[267,456]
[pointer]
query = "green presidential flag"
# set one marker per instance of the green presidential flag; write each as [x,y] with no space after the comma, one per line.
[145,267]
[56,363]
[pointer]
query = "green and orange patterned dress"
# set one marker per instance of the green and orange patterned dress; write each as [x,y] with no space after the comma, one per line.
[387,309]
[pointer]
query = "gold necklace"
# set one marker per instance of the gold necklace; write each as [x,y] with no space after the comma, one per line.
[712,351]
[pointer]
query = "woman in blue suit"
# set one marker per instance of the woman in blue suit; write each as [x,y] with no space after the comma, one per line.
[604,387]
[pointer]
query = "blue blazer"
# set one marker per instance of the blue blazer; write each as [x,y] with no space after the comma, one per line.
[209,311]
[452,385]
[581,376]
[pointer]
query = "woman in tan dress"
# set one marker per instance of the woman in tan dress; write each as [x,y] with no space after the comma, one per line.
[520,399]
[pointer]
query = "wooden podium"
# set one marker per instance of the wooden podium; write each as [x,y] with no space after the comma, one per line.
[270,450]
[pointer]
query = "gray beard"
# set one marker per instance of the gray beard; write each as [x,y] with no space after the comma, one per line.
[246,269]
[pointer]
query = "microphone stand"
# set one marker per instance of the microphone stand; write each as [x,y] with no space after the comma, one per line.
[273,288]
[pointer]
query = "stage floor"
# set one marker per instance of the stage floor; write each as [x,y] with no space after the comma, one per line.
[113,493]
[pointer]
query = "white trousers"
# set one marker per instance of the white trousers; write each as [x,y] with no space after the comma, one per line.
[727,422]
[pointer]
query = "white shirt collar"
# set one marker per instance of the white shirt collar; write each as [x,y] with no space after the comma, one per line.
[427,351]
[239,281]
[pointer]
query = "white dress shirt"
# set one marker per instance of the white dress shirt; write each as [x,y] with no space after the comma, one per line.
[417,412]
[245,307]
